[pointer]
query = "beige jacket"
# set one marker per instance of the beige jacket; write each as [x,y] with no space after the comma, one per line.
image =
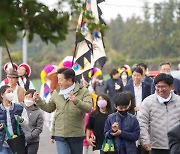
[19,94]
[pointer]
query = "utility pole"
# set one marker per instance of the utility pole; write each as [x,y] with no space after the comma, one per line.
[24,47]
[0,63]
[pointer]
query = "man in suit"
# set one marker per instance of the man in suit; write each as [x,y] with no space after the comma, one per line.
[174,140]
[139,88]
[145,78]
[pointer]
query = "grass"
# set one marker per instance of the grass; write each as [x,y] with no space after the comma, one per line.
[37,84]
[106,77]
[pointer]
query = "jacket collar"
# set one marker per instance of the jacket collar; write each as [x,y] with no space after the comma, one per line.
[75,91]
[3,108]
[173,97]
[77,87]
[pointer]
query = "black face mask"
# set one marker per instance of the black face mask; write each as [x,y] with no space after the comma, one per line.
[123,113]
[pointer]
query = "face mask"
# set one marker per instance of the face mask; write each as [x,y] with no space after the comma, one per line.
[10,96]
[168,73]
[123,113]
[28,103]
[102,103]
[124,76]
[162,100]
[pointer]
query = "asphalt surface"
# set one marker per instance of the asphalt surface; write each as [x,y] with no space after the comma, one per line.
[45,146]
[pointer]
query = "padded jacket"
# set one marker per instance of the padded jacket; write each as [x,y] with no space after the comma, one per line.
[129,133]
[156,119]
[15,109]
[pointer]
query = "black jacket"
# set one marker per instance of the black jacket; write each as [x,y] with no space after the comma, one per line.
[112,87]
[146,89]
[174,140]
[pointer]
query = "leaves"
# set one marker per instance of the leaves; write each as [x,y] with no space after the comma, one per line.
[35,18]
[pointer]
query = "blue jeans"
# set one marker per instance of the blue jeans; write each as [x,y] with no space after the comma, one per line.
[70,145]
[5,150]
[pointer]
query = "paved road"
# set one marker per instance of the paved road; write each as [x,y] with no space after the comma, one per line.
[46,147]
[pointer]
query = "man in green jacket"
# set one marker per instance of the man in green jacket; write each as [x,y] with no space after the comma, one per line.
[69,102]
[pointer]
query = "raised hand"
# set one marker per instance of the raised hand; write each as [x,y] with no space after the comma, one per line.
[36,96]
[72,97]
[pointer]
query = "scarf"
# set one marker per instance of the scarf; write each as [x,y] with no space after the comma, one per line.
[67,91]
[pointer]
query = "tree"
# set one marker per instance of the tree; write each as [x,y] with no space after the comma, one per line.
[164,28]
[36,18]
[115,32]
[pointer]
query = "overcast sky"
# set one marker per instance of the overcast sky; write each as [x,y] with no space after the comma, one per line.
[111,8]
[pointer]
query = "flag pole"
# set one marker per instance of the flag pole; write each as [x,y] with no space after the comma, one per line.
[9,55]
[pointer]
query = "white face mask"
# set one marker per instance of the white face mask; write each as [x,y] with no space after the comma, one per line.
[168,73]
[28,103]
[162,100]
[10,96]
[124,76]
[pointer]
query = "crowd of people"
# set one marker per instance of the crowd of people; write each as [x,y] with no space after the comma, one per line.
[131,112]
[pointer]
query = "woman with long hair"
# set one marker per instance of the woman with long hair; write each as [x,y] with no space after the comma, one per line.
[96,123]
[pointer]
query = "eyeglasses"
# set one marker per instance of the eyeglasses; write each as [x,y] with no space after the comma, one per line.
[163,87]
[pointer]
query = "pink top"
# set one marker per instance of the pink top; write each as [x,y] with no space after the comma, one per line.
[86,118]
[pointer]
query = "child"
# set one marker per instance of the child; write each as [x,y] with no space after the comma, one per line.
[122,127]
[8,110]
[96,123]
[35,125]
